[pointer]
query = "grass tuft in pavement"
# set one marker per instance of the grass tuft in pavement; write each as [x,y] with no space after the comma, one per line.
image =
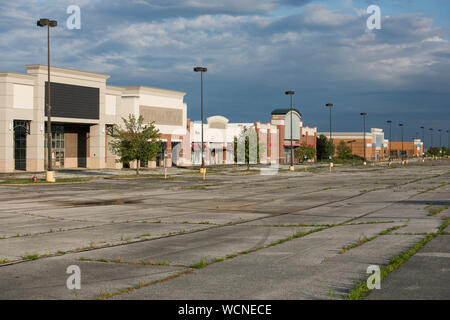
[433,212]
[30,256]
[201,264]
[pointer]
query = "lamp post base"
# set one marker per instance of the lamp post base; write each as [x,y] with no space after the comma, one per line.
[50,176]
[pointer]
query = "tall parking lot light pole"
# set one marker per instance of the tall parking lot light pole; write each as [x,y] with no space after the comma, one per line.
[364,114]
[431,133]
[291,94]
[49,175]
[330,105]
[390,137]
[401,127]
[201,70]
[423,140]
[440,140]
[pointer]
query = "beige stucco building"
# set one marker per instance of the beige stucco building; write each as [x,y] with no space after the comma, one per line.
[84,108]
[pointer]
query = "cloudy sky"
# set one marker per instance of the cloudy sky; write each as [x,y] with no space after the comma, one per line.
[255,50]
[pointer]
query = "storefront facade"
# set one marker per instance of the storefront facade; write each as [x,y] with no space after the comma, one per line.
[84,109]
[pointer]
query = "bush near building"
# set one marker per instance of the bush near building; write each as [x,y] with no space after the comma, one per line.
[305,152]
[344,152]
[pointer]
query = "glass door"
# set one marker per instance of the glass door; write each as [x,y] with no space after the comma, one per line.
[58,146]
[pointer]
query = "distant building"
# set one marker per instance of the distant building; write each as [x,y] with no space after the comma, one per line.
[282,119]
[377,147]
[219,140]
[411,149]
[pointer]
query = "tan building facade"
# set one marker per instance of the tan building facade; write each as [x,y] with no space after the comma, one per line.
[84,108]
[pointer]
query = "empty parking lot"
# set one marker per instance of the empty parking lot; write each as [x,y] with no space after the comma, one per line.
[238,235]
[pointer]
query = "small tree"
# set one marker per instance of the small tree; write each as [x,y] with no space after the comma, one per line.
[344,151]
[248,142]
[137,141]
[305,152]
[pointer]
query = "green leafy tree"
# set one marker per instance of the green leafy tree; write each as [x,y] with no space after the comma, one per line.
[344,151]
[136,141]
[305,152]
[325,148]
[434,151]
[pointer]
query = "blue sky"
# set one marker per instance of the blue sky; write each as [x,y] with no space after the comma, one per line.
[255,50]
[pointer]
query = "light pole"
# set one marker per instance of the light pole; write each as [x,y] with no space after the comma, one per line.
[291,94]
[390,138]
[201,70]
[440,140]
[330,105]
[364,114]
[401,127]
[423,140]
[49,175]
[431,132]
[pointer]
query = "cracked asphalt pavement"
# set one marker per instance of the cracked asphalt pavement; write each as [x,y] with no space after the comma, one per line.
[238,235]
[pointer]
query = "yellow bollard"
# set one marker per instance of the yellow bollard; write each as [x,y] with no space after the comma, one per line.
[292,168]
[204,174]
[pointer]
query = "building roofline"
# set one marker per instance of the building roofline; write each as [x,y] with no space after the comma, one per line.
[44,68]
[16,74]
[114,88]
[284,111]
[145,89]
